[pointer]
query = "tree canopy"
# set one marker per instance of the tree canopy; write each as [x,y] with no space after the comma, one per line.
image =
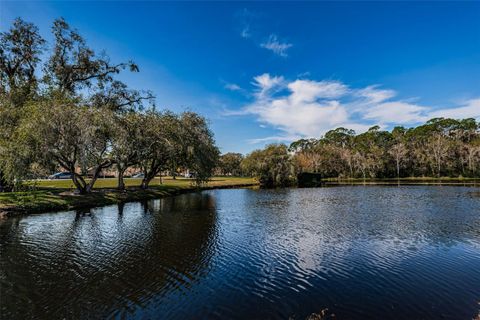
[440,147]
[70,113]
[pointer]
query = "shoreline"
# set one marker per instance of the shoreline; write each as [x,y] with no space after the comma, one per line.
[54,200]
[404,182]
[51,199]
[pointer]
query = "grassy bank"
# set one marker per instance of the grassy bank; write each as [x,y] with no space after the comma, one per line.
[54,195]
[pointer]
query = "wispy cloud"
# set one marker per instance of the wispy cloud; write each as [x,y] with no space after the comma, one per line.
[280,138]
[396,112]
[303,75]
[232,87]
[265,83]
[276,46]
[309,108]
[373,94]
[245,18]
[468,109]
[245,33]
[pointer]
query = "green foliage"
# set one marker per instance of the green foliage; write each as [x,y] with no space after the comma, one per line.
[20,50]
[272,166]
[230,164]
[77,117]
[74,66]
[440,147]
[198,145]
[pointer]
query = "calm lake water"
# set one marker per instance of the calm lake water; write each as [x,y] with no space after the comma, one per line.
[409,252]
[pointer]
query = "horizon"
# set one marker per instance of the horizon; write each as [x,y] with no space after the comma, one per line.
[263,73]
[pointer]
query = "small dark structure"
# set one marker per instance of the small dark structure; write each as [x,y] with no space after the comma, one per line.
[309,180]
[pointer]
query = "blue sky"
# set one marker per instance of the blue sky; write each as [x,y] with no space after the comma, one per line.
[268,72]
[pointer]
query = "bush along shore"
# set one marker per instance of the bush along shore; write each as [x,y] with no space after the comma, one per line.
[57,195]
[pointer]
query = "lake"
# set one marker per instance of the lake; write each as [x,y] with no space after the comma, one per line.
[363,252]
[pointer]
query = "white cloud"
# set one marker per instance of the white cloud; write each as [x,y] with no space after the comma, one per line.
[232,87]
[245,19]
[245,33]
[273,139]
[301,112]
[303,75]
[308,91]
[266,83]
[470,109]
[277,47]
[374,95]
[309,108]
[248,30]
[396,112]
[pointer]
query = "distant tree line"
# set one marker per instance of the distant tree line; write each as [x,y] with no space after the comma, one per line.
[441,147]
[69,112]
[229,164]
[272,166]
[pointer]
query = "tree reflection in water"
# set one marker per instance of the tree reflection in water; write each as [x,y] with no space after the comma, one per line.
[104,262]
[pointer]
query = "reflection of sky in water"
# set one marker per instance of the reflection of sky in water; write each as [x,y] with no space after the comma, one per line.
[364,252]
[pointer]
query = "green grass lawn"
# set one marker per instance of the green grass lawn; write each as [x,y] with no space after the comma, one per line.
[110,183]
[49,195]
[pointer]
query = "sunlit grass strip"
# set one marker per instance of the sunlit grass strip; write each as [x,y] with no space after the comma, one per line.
[110,183]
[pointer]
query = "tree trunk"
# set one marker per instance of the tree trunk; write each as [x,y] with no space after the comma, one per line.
[148,177]
[145,182]
[174,170]
[79,182]
[96,173]
[470,166]
[398,168]
[121,181]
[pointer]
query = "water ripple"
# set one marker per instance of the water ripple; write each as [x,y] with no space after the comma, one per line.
[363,252]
